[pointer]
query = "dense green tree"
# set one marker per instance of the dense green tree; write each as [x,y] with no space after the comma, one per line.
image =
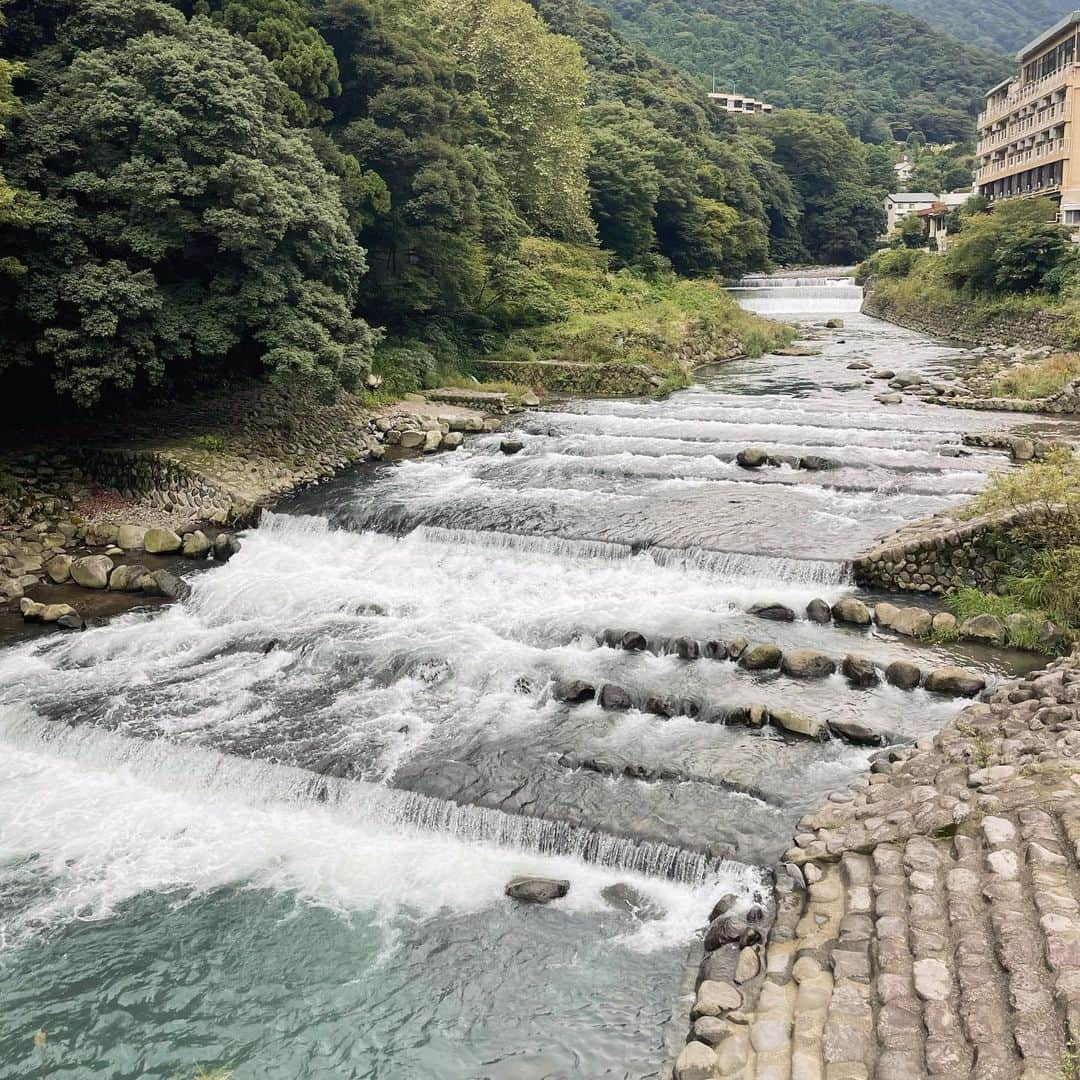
[913,232]
[995,24]
[182,224]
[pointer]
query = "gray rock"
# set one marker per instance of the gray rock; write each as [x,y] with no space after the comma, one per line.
[715,998]
[954,680]
[536,890]
[749,964]
[860,670]
[225,547]
[835,324]
[857,732]
[695,1062]
[31,609]
[573,691]
[511,446]
[851,610]
[711,1031]
[632,641]
[162,583]
[903,674]
[797,723]
[985,629]
[59,568]
[53,613]
[807,664]
[614,697]
[196,545]
[760,657]
[913,622]
[412,440]
[818,611]
[753,457]
[944,622]
[452,440]
[92,571]
[70,622]
[432,441]
[130,537]
[885,613]
[773,612]
[816,463]
[162,541]
[127,578]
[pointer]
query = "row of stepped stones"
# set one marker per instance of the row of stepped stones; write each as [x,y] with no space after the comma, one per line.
[937,556]
[1018,630]
[927,919]
[1065,401]
[100,572]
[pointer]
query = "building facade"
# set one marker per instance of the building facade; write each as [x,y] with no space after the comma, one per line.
[901,204]
[738,103]
[1025,132]
[937,219]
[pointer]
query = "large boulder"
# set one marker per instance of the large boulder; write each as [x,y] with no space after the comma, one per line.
[196,545]
[54,613]
[797,723]
[985,629]
[753,457]
[127,578]
[807,664]
[632,641]
[816,463]
[537,890]
[913,622]
[511,446]
[944,622]
[162,583]
[774,612]
[59,568]
[161,541]
[818,611]
[695,1062]
[614,697]
[130,537]
[225,546]
[956,681]
[31,609]
[760,657]
[412,440]
[92,571]
[573,691]
[851,610]
[860,671]
[856,731]
[903,674]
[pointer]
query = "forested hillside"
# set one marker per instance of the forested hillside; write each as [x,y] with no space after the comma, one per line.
[200,191]
[883,73]
[1001,24]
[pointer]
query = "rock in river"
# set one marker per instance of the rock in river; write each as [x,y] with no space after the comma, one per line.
[807,664]
[196,545]
[903,674]
[851,610]
[614,697]
[797,723]
[573,691]
[775,612]
[857,732]
[818,611]
[860,670]
[954,680]
[127,578]
[162,541]
[59,568]
[623,897]
[511,446]
[753,457]
[985,629]
[162,583]
[760,657]
[535,890]
[92,571]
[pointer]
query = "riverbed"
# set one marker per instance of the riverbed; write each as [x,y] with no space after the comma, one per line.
[269,828]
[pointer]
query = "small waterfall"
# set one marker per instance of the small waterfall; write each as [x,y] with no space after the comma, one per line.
[177,767]
[798,296]
[741,567]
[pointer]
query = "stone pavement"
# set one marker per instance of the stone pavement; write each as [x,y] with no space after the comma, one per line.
[927,922]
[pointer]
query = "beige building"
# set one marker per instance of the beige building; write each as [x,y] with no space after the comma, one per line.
[1025,133]
[737,103]
[937,219]
[902,204]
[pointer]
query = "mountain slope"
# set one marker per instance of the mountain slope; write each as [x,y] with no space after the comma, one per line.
[882,72]
[1002,24]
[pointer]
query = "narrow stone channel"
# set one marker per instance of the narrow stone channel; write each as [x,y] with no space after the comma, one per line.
[270,827]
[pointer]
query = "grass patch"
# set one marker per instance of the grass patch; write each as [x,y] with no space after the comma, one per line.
[1038,380]
[211,444]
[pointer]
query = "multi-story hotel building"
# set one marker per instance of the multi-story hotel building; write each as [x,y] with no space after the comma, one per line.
[1025,133]
[738,103]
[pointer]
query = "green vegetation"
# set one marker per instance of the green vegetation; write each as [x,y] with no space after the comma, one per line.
[939,168]
[882,72]
[1038,380]
[1010,261]
[1003,24]
[203,191]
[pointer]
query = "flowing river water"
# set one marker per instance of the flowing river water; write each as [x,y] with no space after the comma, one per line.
[270,828]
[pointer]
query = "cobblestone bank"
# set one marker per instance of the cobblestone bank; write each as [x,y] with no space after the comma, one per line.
[938,555]
[928,919]
[1065,402]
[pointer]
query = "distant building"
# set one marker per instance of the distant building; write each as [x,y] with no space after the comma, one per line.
[737,103]
[900,204]
[903,169]
[1025,130]
[937,219]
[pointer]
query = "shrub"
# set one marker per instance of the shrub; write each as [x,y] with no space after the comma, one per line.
[1038,380]
[891,263]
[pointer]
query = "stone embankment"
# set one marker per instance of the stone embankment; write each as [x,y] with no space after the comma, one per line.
[964,322]
[206,465]
[926,922]
[1063,403]
[938,555]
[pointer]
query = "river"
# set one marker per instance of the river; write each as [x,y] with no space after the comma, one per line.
[270,828]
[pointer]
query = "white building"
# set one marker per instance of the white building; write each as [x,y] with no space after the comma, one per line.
[901,204]
[903,169]
[739,103]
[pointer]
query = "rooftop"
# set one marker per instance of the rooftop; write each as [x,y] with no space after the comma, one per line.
[913,197]
[1048,35]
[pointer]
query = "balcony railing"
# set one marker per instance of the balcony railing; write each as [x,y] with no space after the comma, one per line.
[1050,150]
[1022,92]
[1051,116]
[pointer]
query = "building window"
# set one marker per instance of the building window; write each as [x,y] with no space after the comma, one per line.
[1072,217]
